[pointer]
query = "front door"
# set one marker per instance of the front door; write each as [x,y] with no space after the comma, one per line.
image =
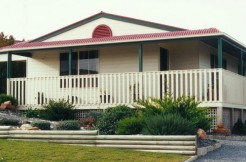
[164,63]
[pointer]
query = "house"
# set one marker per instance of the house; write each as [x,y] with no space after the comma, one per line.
[106,60]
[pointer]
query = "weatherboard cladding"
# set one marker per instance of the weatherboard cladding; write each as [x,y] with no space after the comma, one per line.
[129,38]
[109,16]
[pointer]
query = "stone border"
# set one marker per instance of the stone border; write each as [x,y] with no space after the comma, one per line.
[203,151]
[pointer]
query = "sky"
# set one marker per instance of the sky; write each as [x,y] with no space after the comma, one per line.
[29,19]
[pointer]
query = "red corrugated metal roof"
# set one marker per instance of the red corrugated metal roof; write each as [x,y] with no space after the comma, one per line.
[128,38]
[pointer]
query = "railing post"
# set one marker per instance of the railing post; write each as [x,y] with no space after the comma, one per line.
[220,85]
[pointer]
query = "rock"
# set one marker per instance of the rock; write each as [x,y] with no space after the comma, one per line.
[201,134]
[34,128]
[26,127]
[221,130]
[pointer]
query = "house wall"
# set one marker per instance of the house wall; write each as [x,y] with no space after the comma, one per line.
[204,58]
[117,27]
[182,55]
[43,64]
[4,58]
[125,59]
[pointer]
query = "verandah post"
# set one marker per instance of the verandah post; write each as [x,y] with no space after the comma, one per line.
[9,65]
[220,53]
[70,62]
[140,57]
[241,64]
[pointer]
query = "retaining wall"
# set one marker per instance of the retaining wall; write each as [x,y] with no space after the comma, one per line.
[164,144]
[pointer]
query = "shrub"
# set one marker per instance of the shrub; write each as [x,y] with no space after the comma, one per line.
[89,122]
[31,113]
[68,125]
[5,97]
[58,110]
[131,125]
[9,122]
[239,127]
[108,122]
[186,107]
[43,125]
[95,114]
[168,124]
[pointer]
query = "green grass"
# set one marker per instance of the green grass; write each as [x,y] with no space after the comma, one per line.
[27,151]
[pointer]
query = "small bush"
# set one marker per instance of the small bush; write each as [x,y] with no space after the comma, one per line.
[43,125]
[168,124]
[128,126]
[239,127]
[108,121]
[31,113]
[186,107]
[5,97]
[58,110]
[95,114]
[9,122]
[68,125]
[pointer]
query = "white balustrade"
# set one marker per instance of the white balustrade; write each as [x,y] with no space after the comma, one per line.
[118,88]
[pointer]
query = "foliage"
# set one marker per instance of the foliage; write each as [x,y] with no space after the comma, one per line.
[43,125]
[89,122]
[239,127]
[6,40]
[9,122]
[5,97]
[68,125]
[168,124]
[186,107]
[108,122]
[29,151]
[31,113]
[131,125]
[95,114]
[58,110]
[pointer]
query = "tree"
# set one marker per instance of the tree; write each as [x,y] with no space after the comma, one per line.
[6,40]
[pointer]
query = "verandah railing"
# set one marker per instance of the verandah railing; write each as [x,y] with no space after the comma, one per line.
[118,88]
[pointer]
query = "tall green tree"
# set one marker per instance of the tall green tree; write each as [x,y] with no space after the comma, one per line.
[6,40]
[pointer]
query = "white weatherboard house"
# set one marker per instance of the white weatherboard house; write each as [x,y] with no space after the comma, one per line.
[106,60]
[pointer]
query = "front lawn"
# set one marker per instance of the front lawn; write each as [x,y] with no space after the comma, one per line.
[27,151]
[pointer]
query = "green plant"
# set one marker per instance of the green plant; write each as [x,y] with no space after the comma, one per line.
[239,127]
[5,97]
[131,125]
[68,125]
[168,124]
[186,107]
[108,121]
[31,113]
[58,110]
[43,125]
[95,114]
[9,122]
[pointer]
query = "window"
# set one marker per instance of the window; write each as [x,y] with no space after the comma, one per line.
[83,63]
[64,63]
[88,62]
[239,70]
[214,62]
